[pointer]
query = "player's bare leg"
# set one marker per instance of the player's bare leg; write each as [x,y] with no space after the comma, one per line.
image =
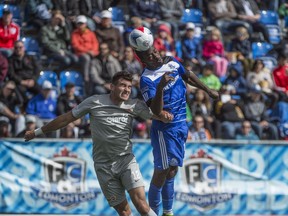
[123,209]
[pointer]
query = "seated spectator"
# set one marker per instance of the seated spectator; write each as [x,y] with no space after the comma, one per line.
[236,83]
[248,11]
[43,106]
[105,67]
[55,37]
[241,47]
[13,103]
[3,67]
[106,33]
[255,111]
[198,132]
[213,50]
[134,22]
[280,114]
[193,4]
[229,112]
[164,41]
[9,33]
[148,11]
[95,7]
[133,66]
[280,76]
[66,102]
[223,15]
[201,105]
[4,127]
[24,70]
[208,77]
[30,124]
[38,12]
[85,45]
[140,131]
[191,47]
[283,10]
[246,132]
[171,12]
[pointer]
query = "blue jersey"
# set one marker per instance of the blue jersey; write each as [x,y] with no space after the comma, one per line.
[174,95]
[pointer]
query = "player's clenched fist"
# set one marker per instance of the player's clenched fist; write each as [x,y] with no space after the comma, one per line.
[165,116]
[29,135]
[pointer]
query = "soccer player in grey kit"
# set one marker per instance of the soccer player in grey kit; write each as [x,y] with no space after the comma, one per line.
[111,117]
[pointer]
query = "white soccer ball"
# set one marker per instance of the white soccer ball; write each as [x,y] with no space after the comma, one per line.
[141,39]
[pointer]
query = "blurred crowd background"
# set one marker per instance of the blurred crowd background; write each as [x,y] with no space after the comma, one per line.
[56,53]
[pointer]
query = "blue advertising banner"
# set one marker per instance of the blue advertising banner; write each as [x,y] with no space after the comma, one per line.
[57,177]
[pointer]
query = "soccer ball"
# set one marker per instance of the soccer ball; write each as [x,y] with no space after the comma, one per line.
[141,39]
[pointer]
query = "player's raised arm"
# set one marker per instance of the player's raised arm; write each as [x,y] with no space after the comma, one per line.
[59,122]
[190,78]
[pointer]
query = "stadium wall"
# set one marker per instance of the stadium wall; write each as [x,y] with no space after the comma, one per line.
[217,178]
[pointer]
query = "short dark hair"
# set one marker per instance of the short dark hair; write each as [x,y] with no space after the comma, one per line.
[122,74]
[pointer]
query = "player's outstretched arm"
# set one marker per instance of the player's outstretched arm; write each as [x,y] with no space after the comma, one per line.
[59,122]
[164,116]
[193,80]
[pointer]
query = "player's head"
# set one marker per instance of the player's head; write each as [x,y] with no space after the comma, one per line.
[151,58]
[121,86]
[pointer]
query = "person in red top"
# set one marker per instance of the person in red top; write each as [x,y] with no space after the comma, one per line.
[280,74]
[84,44]
[164,41]
[9,33]
[213,50]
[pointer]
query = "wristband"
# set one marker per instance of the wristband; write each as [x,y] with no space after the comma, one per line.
[38,132]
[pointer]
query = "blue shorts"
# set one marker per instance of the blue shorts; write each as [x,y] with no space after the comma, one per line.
[169,144]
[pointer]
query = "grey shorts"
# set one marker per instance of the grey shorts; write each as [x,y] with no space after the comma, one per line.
[115,179]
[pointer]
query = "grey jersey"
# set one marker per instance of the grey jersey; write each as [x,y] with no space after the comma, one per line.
[111,125]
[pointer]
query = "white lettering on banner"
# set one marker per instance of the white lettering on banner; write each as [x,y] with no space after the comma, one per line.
[193,174]
[70,170]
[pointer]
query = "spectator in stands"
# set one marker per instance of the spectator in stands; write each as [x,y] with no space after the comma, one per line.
[255,111]
[198,4]
[9,33]
[95,7]
[223,15]
[106,65]
[4,127]
[66,102]
[147,10]
[140,131]
[248,11]
[85,45]
[30,124]
[43,106]
[201,105]
[171,12]
[280,114]
[134,22]
[133,66]
[208,77]
[24,70]
[283,9]
[191,47]
[198,132]
[235,82]
[3,67]
[38,12]
[280,76]
[246,132]
[241,48]
[55,37]
[213,50]
[12,100]
[106,33]
[164,41]
[229,112]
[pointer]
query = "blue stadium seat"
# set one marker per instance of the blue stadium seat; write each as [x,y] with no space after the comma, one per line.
[15,11]
[118,18]
[269,17]
[31,46]
[178,48]
[53,78]
[192,15]
[74,77]
[260,49]
[286,21]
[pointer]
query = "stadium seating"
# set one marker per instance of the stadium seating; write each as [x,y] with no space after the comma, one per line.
[260,51]
[17,18]
[31,46]
[118,18]
[195,16]
[271,20]
[74,77]
[53,78]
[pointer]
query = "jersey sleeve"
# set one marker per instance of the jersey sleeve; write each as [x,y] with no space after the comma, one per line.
[181,69]
[142,110]
[83,108]
[148,88]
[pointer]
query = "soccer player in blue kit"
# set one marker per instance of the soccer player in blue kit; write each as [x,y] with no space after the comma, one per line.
[162,88]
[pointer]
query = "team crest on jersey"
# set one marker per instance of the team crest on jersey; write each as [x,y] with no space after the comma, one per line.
[202,178]
[65,181]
